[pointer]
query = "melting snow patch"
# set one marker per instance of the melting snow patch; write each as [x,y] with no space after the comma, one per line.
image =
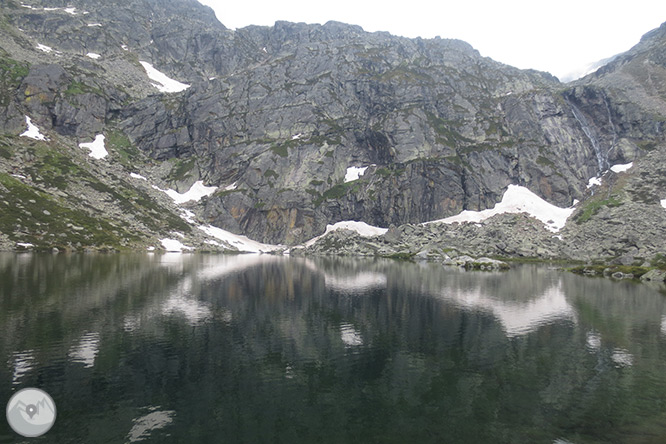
[361,228]
[174,245]
[92,55]
[137,176]
[32,131]
[353,173]
[166,84]
[196,192]
[621,168]
[594,181]
[187,216]
[242,243]
[518,199]
[44,48]
[96,147]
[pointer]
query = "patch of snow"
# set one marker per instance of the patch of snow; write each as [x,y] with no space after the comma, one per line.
[594,181]
[233,186]
[96,147]
[361,228]
[92,55]
[124,47]
[188,216]
[32,131]
[264,49]
[51,9]
[92,25]
[27,6]
[621,168]
[19,176]
[212,78]
[151,248]
[24,244]
[137,176]
[71,11]
[353,173]
[518,199]
[242,243]
[296,136]
[195,193]
[663,325]
[44,48]
[663,203]
[174,245]
[166,84]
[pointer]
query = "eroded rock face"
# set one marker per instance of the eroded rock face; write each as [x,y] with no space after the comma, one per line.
[274,116]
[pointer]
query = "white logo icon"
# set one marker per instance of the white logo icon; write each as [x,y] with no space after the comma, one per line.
[31,412]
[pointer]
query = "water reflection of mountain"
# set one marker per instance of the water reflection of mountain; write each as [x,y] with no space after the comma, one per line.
[216,336]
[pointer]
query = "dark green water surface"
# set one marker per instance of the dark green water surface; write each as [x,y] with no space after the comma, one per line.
[261,349]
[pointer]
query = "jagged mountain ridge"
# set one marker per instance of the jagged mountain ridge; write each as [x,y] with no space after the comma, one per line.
[291,107]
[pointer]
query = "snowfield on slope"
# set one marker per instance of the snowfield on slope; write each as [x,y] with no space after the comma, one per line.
[32,131]
[195,193]
[96,147]
[363,229]
[164,83]
[517,199]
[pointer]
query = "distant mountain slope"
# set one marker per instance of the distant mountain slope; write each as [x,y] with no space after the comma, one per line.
[276,117]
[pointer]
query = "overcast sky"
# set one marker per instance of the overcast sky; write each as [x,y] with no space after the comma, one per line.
[555,36]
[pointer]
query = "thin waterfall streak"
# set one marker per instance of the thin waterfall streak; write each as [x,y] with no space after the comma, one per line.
[612,125]
[602,163]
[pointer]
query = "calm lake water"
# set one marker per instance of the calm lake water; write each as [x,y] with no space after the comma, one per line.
[253,349]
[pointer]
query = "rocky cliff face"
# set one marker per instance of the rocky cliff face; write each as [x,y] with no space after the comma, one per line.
[276,116]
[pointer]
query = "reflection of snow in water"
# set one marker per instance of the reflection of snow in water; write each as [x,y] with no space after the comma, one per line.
[517,317]
[194,311]
[86,350]
[357,282]
[155,420]
[622,358]
[22,362]
[593,341]
[350,336]
[663,324]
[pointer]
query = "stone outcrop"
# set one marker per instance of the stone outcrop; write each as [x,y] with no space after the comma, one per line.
[274,116]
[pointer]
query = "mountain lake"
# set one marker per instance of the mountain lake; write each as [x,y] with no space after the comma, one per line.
[202,348]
